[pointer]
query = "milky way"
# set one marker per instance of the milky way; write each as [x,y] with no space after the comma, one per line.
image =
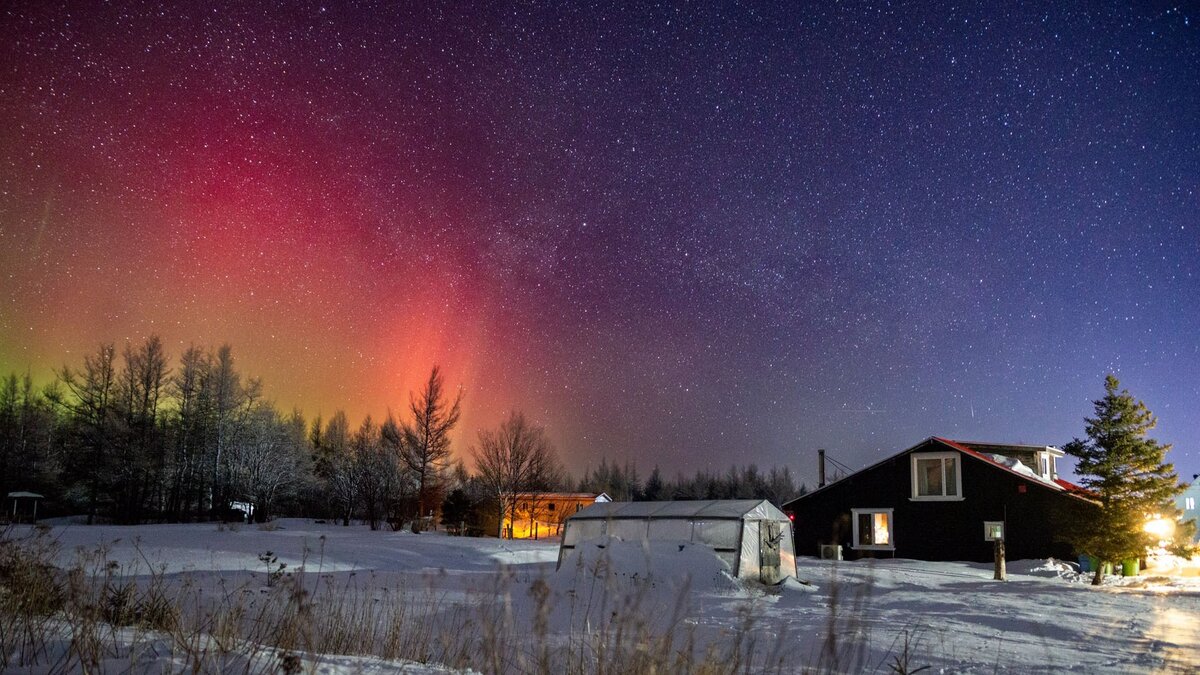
[690,237]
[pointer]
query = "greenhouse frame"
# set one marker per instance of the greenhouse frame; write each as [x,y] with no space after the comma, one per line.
[752,536]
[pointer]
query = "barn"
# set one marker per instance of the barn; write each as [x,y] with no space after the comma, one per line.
[752,536]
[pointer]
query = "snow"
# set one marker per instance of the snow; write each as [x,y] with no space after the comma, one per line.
[1019,467]
[664,567]
[1045,618]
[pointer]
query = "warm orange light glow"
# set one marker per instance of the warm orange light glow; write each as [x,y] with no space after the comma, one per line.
[1162,528]
[541,515]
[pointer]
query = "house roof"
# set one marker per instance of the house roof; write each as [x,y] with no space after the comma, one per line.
[997,461]
[1013,466]
[558,495]
[1074,489]
[709,509]
[1009,448]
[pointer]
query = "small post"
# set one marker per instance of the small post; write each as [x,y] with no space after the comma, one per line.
[1001,573]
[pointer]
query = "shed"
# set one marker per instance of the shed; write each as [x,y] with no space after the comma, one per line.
[752,536]
[30,497]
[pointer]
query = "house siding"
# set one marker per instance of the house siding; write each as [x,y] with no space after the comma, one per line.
[1193,513]
[1035,515]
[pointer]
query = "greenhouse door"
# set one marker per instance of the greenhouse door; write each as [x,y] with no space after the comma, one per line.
[769,539]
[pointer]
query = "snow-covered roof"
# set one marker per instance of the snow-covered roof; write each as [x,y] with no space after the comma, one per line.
[1008,449]
[25,495]
[1010,464]
[1018,466]
[709,509]
[558,495]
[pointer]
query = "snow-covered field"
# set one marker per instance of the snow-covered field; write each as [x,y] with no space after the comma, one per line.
[849,616]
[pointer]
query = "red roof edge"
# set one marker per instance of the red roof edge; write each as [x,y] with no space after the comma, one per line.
[1075,489]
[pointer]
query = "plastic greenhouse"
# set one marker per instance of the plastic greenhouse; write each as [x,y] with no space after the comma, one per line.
[751,535]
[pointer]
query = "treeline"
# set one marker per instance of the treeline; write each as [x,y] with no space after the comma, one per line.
[747,482]
[130,437]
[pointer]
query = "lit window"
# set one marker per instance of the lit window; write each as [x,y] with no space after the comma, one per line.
[873,529]
[936,475]
[1189,503]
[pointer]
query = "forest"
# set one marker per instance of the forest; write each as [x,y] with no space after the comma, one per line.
[130,438]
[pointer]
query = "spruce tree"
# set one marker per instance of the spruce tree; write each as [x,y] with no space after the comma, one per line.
[1126,472]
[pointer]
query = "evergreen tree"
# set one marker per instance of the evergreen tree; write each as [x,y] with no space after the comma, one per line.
[655,489]
[1127,473]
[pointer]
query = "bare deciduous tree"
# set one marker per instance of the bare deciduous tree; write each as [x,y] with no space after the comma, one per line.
[426,447]
[513,459]
[142,453]
[92,412]
[341,470]
[375,472]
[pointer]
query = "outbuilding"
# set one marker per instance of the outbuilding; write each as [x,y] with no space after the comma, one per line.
[30,500]
[752,536]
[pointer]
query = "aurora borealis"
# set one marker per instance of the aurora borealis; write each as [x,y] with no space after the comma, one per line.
[676,235]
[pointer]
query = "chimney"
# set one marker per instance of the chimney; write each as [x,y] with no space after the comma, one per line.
[820,468]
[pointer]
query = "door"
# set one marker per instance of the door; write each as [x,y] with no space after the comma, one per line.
[770,536]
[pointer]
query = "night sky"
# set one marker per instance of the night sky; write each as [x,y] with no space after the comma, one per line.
[685,236]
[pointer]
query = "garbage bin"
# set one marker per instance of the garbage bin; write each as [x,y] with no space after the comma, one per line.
[1130,567]
[1085,563]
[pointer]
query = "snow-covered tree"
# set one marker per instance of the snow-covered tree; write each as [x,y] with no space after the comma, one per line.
[266,463]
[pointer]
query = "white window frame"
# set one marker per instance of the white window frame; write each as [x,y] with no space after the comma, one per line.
[1046,465]
[890,546]
[958,459]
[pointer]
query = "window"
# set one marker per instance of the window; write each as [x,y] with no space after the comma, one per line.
[550,506]
[936,476]
[1047,467]
[1189,503]
[873,529]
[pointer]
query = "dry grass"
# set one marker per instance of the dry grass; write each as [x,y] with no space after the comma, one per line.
[94,614]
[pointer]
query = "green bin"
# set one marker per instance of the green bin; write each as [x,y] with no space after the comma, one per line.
[1130,567]
[1089,563]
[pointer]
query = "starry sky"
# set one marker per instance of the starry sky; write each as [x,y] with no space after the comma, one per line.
[681,235]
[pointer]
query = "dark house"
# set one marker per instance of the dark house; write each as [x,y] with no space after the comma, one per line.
[944,500]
